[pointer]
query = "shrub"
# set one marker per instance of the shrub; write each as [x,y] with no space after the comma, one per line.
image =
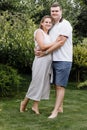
[80,61]
[82,85]
[10,81]
[16,40]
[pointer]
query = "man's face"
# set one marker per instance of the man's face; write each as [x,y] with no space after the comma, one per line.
[56,13]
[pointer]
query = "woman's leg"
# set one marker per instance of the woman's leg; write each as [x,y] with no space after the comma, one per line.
[35,107]
[23,104]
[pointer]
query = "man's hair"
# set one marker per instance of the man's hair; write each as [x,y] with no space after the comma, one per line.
[56,4]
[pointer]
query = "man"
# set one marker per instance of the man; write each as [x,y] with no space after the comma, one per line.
[62,56]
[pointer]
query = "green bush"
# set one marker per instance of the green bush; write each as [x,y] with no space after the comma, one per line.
[80,62]
[10,81]
[16,40]
[82,85]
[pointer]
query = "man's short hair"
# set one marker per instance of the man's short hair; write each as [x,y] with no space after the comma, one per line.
[56,4]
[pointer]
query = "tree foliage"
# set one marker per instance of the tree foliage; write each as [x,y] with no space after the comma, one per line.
[80,60]
[17,26]
[81,26]
[75,11]
[16,40]
[10,81]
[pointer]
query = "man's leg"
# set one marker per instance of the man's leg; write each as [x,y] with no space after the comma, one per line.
[60,110]
[60,92]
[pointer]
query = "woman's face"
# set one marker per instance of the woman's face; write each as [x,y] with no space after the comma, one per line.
[47,24]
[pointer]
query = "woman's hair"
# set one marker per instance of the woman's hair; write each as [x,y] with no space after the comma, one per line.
[43,18]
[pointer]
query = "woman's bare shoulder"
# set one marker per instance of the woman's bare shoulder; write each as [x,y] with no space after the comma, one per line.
[38,31]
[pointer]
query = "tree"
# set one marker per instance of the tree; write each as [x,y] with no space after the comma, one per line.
[81,26]
[71,10]
[16,40]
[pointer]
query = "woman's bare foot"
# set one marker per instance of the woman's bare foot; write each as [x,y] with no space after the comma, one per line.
[35,110]
[60,110]
[22,106]
[53,115]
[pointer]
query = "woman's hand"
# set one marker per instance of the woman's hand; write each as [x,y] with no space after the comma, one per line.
[39,52]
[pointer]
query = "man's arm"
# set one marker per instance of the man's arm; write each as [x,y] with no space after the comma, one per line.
[60,41]
[58,44]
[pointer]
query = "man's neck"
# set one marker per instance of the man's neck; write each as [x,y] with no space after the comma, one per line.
[58,20]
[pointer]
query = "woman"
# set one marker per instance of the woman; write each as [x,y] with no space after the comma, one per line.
[40,85]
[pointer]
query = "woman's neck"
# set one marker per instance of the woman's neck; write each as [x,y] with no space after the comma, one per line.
[46,31]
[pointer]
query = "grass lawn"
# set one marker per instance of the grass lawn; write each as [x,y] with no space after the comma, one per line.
[73,118]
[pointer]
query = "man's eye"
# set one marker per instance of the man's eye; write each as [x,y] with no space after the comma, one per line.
[55,11]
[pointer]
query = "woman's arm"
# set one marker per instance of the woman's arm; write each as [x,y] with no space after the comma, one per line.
[40,40]
[59,42]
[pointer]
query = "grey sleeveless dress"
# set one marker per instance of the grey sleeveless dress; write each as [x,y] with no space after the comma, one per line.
[39,87]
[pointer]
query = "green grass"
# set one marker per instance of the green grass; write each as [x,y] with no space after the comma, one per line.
[73,118]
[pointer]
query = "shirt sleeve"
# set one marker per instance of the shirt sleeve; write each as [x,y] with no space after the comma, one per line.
[66,29]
